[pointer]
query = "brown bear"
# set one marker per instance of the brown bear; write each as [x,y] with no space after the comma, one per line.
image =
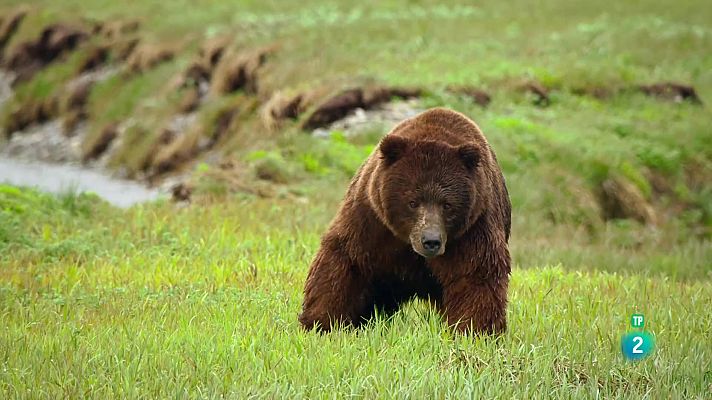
[427,215]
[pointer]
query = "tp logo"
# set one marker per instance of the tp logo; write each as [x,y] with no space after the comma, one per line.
[637,345]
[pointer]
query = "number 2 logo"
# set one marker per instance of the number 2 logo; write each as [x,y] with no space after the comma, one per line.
[637,345]
[636,348]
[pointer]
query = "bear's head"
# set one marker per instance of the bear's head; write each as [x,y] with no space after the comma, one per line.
[427,192]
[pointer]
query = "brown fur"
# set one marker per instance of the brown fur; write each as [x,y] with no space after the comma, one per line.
[368,259]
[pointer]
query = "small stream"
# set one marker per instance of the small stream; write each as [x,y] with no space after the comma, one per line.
[43,158]
[59,178]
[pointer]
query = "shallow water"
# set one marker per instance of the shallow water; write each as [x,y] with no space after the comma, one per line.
[58,178]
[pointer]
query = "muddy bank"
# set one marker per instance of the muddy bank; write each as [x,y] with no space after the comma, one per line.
[382,118]
[59,178]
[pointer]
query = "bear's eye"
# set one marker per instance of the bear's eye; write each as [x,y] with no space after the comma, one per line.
[413,204]
[446,206]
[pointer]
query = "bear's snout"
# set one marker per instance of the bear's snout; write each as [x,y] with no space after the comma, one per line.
[428,237]
[432,242]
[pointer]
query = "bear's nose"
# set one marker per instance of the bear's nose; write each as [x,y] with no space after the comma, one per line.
[431,243]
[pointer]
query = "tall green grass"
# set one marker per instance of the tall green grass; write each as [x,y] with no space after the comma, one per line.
[158,302]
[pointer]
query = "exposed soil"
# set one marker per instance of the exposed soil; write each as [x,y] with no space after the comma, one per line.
[342,104]
[54,128]
[621,199]
[102,142]
[671,91]
[539,93]
[95,58]
[381,118]
[477,95]
[30,56]
[148,55]
[238,70]
[598,92]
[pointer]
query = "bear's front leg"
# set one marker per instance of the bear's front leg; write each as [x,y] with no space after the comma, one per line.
[472,305]
[475,280]
[335,292]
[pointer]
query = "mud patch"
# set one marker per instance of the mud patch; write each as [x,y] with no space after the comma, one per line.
[339,106]
[96,57]
[181,192]
[620,199]
[146,56]
[237,71]
[671,91]
[114,30]
[212,50]
[476,95]
[597,92]
[381,118]
[30,56]
[538,93]
[101,143]
[123,48]
[281,107]
[33,112]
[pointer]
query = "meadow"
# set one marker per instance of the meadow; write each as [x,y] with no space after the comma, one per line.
[156,302]
[200,300]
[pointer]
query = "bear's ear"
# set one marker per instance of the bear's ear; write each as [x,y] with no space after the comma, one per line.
[393,147]
[470,155]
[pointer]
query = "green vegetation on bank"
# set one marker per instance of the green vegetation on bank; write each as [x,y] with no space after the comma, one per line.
[658,149]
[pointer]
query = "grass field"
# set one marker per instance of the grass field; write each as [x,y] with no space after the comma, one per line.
[156,302]
[201,301]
